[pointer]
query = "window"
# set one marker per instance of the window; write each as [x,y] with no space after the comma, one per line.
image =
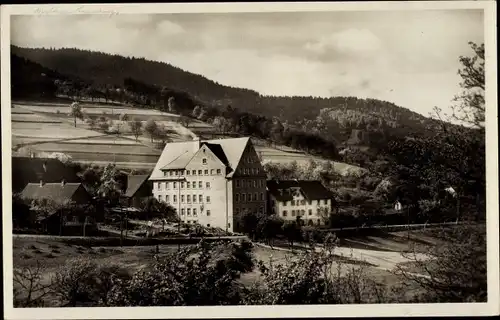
[293,213]
[204,161]
[175,185]
[208,199]
[261,209]
[261,196]
[159,197]
[249,183]
[194,212]
[176,172]
[170,173]
[206,172]
[175,198]
[255,183]
[285,203]
[237,211]
[182,199]
[194,198]
[188,185]
[255,196]
[167,185]
[167,198]
[200,172]
[188,198]
[200,184]
[183,211]
[188,172]
[188,211]
[229,225]
[208,213]
[302,202]
[182,185]
[310,212]
[249,197]
[194,185]
[212,171]
[237,196]
[243,196]
[164,173]
[284,213]
[237,183]
[293,202]
[208,185]
[218,171]
[303,212]
[200,198]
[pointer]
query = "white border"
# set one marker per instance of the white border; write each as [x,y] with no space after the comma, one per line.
[490,308]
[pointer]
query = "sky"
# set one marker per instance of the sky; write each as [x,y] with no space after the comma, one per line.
[406,57]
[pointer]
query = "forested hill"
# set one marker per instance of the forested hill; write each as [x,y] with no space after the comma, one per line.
[105,69]
[345,121]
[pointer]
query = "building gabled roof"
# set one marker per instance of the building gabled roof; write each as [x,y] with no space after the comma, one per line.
[134,183]
[26,170]
[311,189]
[176,155]
[56,191]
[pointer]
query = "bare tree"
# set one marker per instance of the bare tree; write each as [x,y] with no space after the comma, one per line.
[76,111]
[29,288]
[136,128]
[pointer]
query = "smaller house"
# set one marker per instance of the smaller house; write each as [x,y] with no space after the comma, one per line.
[62,220]
[309,200]
[138,189]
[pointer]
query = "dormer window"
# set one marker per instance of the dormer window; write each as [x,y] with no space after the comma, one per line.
[204,161]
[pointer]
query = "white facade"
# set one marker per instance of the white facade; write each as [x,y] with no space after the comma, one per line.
[205,190]
[290,203]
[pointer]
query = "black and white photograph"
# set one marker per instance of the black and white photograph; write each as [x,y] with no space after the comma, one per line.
[250,155]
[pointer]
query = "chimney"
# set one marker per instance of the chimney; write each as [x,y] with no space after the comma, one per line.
[41,183]
[44,166]
[196,143]
[63,183]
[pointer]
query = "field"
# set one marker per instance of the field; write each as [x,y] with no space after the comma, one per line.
[46,128]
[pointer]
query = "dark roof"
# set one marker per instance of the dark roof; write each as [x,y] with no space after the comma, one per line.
[134,183]
[218,151]
[311,189]
[26,170]
[56,191]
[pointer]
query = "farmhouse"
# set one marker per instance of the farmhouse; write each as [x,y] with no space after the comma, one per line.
[138,188]
[309,200]
[61,193]
[211,182]
[31,170]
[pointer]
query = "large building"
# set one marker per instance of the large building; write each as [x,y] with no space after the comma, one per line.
[309,200]
[211,182]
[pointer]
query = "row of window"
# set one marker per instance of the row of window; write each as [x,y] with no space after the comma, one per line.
[299,212]
[184,198]
[205,172]
[208,224]
[237,210]
[183,185]
[188,211]
[302,202]
[249,183]
[250,170]
[244,197]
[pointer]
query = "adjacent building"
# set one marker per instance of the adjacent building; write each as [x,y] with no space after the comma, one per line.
[211,182]
[61,192]
[138,189]
[309,200]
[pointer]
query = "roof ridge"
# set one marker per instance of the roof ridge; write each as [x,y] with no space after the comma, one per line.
[176,158]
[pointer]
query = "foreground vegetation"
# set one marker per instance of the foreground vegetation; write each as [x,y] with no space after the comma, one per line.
[219,273]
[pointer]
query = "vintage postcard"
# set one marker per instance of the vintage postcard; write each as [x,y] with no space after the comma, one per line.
[224,160]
